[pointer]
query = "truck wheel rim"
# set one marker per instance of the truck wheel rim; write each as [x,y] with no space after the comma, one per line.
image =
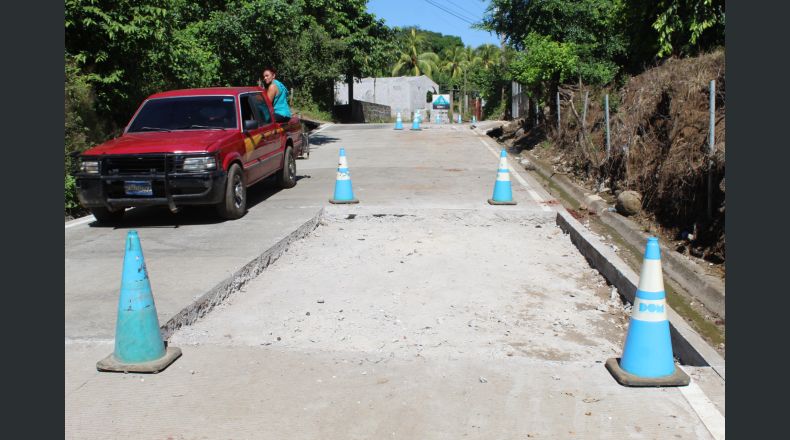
[291,167]
[238,192]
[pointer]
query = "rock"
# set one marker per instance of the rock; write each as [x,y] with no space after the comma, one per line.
[519,133]
[483,379]
[721,185]
[629,203]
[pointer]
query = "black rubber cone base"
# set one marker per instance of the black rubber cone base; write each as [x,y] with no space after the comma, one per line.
[494,202]
[343,202]
[113,365]
[678,378]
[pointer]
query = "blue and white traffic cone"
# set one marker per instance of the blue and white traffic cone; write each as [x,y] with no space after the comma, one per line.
[343,192]
[474,120]
[138,344]
[398,122]
[647,357]
[415,123]
[459,119]
[503,195]
[438,119]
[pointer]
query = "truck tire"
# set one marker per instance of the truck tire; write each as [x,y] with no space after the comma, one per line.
[287,177]
[106,216]
[305,146]
[234,203]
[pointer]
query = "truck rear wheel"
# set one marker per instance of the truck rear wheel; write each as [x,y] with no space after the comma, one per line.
[106,216]
[234,203]
[287,178]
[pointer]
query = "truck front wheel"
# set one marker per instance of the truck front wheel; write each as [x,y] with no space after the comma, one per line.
[234,203]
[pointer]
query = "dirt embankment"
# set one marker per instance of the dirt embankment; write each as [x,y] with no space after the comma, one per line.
[659,129]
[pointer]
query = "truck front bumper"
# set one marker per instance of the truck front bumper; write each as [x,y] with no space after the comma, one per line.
[174,189]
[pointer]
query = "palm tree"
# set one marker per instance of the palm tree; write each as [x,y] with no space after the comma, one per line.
[489,56]
[454,62]
[413,62]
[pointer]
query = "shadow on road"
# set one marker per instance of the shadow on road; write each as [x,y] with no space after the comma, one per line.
[321,139]
[161,217]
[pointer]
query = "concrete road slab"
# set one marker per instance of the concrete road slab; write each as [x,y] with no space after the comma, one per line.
[422,312]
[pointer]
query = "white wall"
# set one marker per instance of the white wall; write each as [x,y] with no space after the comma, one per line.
[404,93]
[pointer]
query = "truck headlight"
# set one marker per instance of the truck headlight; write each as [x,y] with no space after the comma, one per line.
[89,166]
[200,163]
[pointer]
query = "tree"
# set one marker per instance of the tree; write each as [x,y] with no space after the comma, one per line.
[589,26]
[544,63]
[111,43]
[368,44]
[674,27]
[412,61]
[489,56]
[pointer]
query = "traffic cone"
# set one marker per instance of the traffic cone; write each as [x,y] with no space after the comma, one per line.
[474,120]
[438,119]
[398,122]
[459,118]
[138,344]
[502,192]
[647,357]
[343,192]
[415,123]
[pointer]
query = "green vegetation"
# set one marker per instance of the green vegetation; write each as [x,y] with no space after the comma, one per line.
[597,42]
[412,60]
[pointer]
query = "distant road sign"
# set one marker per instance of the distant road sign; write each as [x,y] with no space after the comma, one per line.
[440,102]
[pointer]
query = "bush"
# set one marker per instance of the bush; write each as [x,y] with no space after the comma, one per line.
[80,130]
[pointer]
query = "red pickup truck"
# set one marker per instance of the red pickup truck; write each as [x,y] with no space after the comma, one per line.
[191,147]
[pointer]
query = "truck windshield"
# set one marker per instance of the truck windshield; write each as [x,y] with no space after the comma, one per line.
[186,113]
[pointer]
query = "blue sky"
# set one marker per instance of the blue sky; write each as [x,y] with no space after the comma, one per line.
[422,13]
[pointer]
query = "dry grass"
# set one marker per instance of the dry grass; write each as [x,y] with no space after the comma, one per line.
[659,145]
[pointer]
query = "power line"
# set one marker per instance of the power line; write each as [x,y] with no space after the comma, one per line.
[464,19]
[468,13]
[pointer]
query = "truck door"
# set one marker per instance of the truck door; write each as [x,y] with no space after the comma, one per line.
[271,156]
[253,140]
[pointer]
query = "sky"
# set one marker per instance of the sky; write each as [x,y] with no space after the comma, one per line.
[453,20]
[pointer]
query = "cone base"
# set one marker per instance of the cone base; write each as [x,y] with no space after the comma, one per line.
[111,364]
[343,202]
[678,378]
[496,202]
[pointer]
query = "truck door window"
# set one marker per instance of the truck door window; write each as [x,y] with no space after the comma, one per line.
[247,113]
[263,109]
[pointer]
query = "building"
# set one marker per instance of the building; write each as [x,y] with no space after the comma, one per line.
[403,94]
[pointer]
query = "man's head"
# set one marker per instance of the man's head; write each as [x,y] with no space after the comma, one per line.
[269,74]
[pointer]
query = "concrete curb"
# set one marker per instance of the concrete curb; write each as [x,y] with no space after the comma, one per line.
[206,302]
[707,289]
[687,345]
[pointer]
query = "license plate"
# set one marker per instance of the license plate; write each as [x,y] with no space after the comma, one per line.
[138,188]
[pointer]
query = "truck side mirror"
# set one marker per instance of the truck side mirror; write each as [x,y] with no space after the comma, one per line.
[250,124]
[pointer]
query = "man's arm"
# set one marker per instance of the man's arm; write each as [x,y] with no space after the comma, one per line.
[272,91]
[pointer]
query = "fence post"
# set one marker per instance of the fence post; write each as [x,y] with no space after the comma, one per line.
[711,146]
[559,119]
[584,111]
[608,144]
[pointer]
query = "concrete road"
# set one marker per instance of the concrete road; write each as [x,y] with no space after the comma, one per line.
[422,312]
